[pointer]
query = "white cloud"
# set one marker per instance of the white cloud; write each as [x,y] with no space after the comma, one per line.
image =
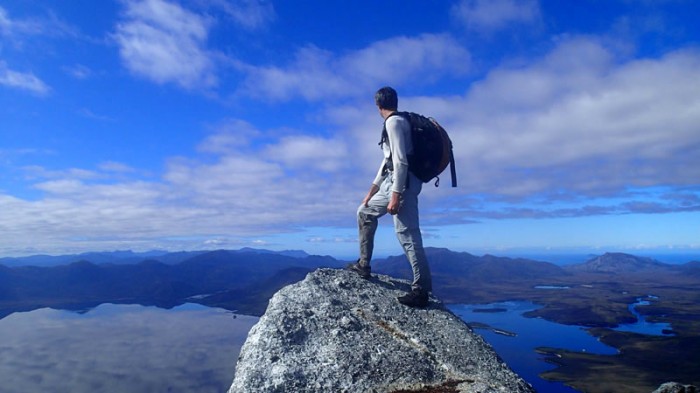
[310,153]
[22,81]
[229,136]
[21,35]
[14,28]
[249,14]
[318,74]
[79,71]
[87,113]
[62,187]
[579,120]
[166,43]
[38,172]
[5,22]
[48,26]
[492,15]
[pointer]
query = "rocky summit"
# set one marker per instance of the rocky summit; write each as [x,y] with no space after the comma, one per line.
[675,387]
[336,332]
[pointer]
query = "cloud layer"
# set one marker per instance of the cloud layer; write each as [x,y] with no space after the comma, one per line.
[317,74]
[582,120]
[579,127]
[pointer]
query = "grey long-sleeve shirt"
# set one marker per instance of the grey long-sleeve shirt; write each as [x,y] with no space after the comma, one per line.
[397,146]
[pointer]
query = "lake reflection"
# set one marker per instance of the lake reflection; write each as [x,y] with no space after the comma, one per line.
[121,348]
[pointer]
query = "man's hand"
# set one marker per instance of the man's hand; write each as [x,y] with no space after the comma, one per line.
[394,203]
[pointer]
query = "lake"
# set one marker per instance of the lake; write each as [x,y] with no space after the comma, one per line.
[192,348]
[519,351]
[121,348]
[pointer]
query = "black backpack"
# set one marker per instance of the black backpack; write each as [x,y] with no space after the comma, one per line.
[432,148]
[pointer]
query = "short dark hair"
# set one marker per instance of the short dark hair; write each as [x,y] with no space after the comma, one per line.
[386,98]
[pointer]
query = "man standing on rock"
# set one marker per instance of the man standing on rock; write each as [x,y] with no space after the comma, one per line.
[395,191]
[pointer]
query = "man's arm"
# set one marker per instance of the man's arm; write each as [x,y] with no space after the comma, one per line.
[398,130]
[372,190]
[378,179]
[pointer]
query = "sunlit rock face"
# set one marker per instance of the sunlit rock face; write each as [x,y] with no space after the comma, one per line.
[336,332]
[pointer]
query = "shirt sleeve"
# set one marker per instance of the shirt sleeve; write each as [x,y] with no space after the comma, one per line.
[399,132]
[379,178]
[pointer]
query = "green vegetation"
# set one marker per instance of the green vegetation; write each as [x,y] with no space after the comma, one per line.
[601,301]
[644,363]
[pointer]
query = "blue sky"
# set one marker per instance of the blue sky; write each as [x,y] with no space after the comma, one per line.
[203,124]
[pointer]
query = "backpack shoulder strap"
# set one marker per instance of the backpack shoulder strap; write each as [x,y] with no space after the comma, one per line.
[385,134]
[453,171]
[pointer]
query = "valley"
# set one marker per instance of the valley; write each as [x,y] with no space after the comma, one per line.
[595,294]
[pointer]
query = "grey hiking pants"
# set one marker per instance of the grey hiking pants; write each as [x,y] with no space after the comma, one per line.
[405,223]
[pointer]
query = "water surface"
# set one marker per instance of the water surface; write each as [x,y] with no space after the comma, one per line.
[519,351]
[192,348]
[121,348]
[642,326]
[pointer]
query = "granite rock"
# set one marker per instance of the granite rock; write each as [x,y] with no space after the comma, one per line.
[675,387]
[336,332]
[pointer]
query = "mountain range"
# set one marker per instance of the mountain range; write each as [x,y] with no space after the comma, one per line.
[129,257]
[244,279]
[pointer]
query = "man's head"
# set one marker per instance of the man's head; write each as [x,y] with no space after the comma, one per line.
[387,99]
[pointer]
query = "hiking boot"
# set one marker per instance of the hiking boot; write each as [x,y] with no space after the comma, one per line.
[416,298]
[363,271]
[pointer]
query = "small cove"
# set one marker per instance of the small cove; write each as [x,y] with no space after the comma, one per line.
[642,326]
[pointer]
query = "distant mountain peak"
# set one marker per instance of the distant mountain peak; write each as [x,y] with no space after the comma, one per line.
[618,262]
[288,253]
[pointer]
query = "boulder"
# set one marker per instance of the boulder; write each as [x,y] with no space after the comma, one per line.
[675,387]
[336,332]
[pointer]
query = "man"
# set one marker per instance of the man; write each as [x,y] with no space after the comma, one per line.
[395,191]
